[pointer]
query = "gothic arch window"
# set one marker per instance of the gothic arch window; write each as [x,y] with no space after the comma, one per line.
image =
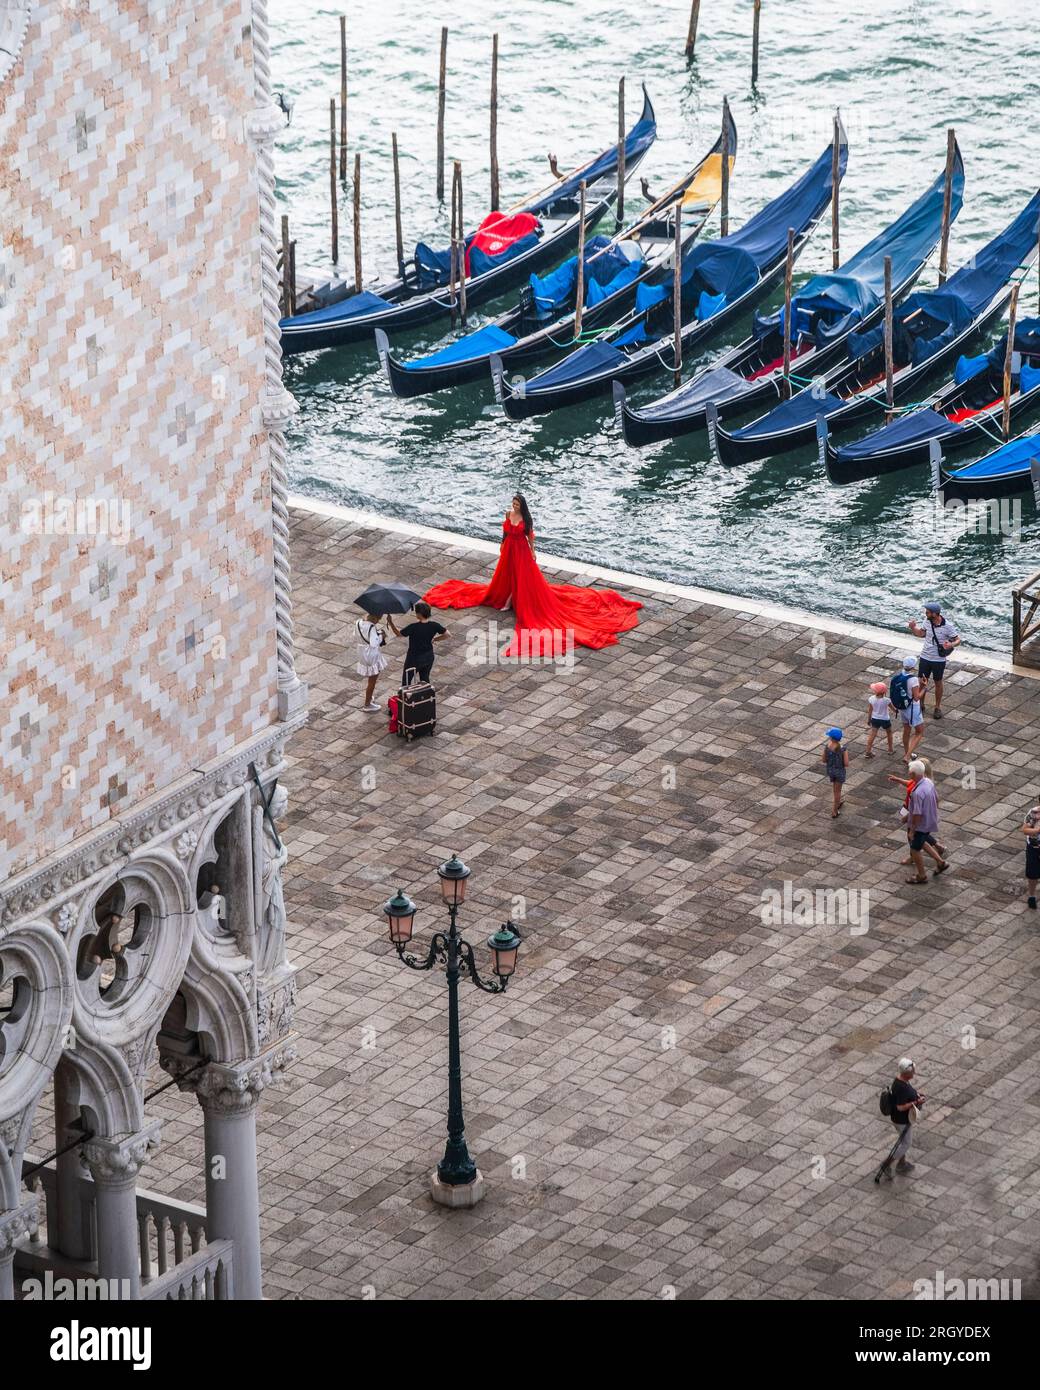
[14,20]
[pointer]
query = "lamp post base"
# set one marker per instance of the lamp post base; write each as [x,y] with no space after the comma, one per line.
[447,1194]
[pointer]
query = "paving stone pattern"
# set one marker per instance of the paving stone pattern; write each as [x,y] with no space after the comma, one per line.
[674,1094]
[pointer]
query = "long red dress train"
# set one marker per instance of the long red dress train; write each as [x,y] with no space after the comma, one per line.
[550,618]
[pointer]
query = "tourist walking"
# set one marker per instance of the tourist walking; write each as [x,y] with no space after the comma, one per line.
[906,691]
[936,851]
[903,1106]
[880,710]
[835,757]
[1031,830]
[940,639]
[421,636]
[371,639]
[923,824]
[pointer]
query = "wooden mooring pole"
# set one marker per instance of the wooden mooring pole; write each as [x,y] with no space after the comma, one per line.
[677,298]
[621,152]
[454,247]
[724,200]
[292,277]
[397,207]
[357,222]
[461,259]
[286,300]
[343,96]
[494,123]
[788,279]
[1005,424]
[835,188]
[754,43]
[332,181]
[579,287]
[944,248]
[890,399]
[691,33]
[440,115]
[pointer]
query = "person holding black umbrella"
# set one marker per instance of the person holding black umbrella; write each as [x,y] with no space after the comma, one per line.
[377,600]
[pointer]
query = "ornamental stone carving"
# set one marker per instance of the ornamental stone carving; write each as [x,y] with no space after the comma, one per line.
[23,1221]
[120,1160]
[270,949]
[231,1088]
[274,1011]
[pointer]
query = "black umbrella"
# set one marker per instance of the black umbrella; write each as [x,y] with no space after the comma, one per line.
[387,598]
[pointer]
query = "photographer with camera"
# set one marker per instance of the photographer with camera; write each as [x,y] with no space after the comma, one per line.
[940,639]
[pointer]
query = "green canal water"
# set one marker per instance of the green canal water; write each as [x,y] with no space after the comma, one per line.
[901,73]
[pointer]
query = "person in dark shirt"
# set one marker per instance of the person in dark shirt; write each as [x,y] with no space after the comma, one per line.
[421,636]
[904,1095]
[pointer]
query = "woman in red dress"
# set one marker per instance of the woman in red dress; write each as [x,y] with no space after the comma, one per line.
[550,618]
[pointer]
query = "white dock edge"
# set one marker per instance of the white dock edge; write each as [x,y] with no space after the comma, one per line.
[897,642]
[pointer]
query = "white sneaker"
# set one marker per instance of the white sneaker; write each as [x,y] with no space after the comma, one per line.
[370,709]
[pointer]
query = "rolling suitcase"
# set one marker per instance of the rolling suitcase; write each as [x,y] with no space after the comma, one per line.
[417,708]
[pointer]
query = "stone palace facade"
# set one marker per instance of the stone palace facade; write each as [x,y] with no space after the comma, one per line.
[148,685]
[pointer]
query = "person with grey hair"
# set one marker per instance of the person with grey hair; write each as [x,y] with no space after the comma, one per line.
[923,823]
[904,1104]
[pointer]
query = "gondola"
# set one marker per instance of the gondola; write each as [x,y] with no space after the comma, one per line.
[1013,468]
[929,330]
[825,311]
[966,412]
[543,320]
[721,280]
[546,227]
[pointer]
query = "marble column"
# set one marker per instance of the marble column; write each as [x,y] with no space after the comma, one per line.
[72,1234]
[114,1165]
[229,1096]
[13,1225]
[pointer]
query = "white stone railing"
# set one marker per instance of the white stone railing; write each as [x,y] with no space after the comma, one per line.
[176,1259]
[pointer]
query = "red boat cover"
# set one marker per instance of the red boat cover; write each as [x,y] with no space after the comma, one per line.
[498,231]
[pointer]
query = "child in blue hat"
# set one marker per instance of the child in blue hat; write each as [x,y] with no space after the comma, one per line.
[835,757]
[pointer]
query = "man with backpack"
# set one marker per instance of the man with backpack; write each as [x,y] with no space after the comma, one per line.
[906,691]
[940,638]
[900,1102]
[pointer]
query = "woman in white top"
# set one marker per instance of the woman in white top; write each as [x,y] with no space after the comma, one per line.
[371,639]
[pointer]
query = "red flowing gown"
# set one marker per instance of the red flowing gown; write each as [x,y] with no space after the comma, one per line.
[550,618]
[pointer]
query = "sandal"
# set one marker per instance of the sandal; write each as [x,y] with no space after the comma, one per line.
[868,755]
[941,869]
[837,813]
[918,880]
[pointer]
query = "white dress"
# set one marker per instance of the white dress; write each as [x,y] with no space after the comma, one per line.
[370,654]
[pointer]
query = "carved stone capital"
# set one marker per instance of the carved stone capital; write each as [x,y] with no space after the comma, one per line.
[278,407]
[22,1221]
[233,1088]
[120,1160]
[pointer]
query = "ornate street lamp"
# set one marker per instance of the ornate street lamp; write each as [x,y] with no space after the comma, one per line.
[457,1181]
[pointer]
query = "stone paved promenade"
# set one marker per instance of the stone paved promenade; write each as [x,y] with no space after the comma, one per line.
[676,1097]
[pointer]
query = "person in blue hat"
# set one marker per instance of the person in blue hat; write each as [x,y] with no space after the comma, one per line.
[940,638]
[835,757]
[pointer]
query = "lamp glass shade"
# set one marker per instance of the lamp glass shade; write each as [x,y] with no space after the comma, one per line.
[453,874]
[504,946]
[400,917]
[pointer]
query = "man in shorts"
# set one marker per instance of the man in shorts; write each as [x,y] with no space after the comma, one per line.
[1031,830]
[923,823]
[940,638]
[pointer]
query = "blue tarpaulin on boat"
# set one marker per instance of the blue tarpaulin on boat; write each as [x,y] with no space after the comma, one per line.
[967,367]
[720,268]
[915,428]
[840,300]
[433,267]
[596,290]
[799,410]
[649,295]
[928,320]
[1010,459]
[1028,378]
[555,291]
[709,305]
[586,361]
[1027,342]
[480,343]
[363,303]
[764,236]
[637,142]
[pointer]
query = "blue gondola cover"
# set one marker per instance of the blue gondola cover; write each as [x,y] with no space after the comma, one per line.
[489,339]
[363,303]
[1008,460]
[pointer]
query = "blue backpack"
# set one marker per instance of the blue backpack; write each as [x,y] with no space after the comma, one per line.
[899,691]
